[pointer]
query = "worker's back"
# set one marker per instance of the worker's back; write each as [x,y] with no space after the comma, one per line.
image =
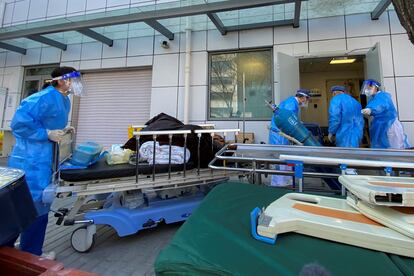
[345,120]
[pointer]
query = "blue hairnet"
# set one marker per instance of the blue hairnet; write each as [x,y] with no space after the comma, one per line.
[372,82]
[338,88]
[303,93]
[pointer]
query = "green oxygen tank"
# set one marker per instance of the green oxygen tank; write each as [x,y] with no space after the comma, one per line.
[288,123]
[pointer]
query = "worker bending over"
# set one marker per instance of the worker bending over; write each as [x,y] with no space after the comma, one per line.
[345,119]
[292,104]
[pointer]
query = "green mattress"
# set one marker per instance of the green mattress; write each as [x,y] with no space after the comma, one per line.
[216,241]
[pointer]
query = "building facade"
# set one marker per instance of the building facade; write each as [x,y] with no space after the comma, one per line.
[139,77]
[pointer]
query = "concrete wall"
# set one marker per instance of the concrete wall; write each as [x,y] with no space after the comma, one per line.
[327,36]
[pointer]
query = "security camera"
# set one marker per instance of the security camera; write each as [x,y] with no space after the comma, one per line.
[164,44]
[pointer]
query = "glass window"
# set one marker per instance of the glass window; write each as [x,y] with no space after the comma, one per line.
[39,71]
[30,87]
[35,79]
[240,75]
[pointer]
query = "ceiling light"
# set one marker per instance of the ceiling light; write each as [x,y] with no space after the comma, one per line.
[342,60]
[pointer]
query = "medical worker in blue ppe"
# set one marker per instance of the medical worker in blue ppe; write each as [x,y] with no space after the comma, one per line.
[39,122]
[293,103]
[385,130]
[345,119]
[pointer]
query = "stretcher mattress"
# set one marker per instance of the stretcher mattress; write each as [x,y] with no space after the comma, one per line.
[101,170]
[216,240]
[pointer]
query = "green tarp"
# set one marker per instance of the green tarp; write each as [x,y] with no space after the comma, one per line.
[216,241]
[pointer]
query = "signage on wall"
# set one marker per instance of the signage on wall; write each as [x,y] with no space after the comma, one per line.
[315,92]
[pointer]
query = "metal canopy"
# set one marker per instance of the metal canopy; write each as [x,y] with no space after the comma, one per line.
[103,21]
[381,7]
[217,22]
[12,48]
[48,41]
[259,25]
[296,19]
[160,28]
[217,12]
[96,36]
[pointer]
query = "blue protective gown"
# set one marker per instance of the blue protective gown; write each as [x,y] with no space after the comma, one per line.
[384,115]
[33,152]
[346,121]
[290,104]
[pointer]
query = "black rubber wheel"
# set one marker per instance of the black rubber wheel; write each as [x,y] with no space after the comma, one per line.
[81,241]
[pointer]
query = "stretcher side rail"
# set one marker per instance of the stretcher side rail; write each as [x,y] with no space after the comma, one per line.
[257,159]
[170,134]
[162,182]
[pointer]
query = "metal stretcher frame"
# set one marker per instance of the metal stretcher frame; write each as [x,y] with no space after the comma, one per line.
[161,181]
[260,157]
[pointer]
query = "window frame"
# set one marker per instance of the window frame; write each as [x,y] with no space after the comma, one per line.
[210,54]
[39,78]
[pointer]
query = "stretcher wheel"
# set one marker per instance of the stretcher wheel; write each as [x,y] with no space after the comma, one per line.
[83,238]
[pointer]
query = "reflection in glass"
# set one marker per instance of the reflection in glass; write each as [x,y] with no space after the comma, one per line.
[226,84]
[30,87]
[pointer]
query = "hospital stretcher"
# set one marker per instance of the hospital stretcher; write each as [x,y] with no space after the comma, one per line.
[226,246]
[327,218]
[132,197]
[257,159]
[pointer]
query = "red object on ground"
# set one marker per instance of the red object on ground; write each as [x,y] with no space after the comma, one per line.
[16,262]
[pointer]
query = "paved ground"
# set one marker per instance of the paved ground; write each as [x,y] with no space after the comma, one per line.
[111,255]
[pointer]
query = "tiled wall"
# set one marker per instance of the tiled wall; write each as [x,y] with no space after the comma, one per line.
[328,36]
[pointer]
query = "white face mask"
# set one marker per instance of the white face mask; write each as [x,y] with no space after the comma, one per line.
[369,92]
[304,104]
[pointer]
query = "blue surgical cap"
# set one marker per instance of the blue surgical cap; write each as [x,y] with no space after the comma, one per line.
[338,88]
[372,82]
[303,93]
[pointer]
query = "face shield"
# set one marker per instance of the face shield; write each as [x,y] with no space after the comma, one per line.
[369,87]
[76,83]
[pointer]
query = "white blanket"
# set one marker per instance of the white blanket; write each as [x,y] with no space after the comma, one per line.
[161,153]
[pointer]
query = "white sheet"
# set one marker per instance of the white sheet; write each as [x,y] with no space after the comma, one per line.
[161,153]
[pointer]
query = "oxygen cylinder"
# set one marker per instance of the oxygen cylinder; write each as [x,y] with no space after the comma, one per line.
[289,124]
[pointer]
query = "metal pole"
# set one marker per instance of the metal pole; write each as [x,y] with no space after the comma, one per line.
[212,148]
[198,153]
[154,138]
[137,159]
[343,168]
[187,70]
[244,106]
[169,156]
[185,154]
